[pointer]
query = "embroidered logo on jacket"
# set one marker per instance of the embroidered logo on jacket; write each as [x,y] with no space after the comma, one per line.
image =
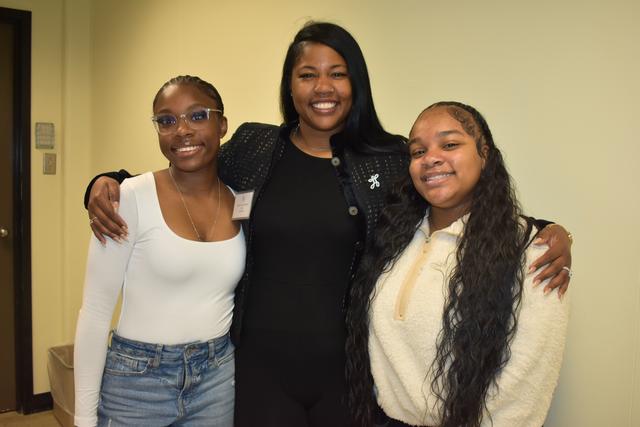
[374,181]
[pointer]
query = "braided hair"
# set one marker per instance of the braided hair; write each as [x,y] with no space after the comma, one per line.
[206,87]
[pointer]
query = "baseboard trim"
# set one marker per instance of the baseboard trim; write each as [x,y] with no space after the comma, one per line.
[38,403]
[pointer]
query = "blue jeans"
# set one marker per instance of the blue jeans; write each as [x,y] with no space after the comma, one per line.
[168,385]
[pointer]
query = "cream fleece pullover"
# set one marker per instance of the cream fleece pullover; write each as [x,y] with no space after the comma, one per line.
[406,317]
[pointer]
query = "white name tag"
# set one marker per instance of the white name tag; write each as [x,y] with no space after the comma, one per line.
[242,205]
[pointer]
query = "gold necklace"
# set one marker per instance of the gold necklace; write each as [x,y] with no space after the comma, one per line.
[213,227]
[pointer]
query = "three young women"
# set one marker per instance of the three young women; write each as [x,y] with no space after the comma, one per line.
[319,182]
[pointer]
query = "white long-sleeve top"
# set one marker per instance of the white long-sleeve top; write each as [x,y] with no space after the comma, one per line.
[406,317]
[174,290]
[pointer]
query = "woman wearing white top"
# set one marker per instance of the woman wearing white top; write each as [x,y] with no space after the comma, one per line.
[443,318]
[170,361]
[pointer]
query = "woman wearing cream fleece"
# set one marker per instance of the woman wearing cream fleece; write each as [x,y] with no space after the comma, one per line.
[443,318]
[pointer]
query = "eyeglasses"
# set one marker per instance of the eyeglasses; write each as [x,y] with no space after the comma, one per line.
[167,124]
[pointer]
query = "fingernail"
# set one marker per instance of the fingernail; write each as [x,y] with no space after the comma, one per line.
[537,241]
[547,290]
[532,268]
[536,282]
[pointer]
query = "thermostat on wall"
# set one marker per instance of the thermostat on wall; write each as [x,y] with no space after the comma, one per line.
[45,135]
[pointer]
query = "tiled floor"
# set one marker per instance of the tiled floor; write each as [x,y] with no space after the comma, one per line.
[41,419]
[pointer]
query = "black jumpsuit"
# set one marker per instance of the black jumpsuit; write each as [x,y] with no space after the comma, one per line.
[290,366]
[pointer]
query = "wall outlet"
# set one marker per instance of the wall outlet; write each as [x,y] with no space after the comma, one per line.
[49,163]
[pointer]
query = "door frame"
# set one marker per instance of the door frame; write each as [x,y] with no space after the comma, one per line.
[26,401]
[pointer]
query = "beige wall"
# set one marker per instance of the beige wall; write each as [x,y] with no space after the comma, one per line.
[60,94]
[557,82]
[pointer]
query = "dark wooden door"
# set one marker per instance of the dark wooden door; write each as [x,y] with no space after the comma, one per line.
[16,359]
[7,292]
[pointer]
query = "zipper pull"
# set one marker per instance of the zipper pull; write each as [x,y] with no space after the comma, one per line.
[425,246]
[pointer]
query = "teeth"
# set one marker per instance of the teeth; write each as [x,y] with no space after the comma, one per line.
[186,149]
[324,105]
[435,177]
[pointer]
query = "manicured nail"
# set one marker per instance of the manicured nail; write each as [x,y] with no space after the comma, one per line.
[537,241]
[532,268]
[536,282]
[547,290]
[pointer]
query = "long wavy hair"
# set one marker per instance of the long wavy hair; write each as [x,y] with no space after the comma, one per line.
[362,129]
[484,289]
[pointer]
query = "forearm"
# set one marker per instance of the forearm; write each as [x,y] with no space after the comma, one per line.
[89,355]
[119,176]
[104,277]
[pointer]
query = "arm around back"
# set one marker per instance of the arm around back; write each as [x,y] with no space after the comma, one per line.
[118,176]
[102,199]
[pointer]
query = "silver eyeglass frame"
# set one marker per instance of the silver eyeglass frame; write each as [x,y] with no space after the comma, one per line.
[182,116]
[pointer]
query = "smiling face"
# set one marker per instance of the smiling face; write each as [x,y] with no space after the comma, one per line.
[321,89]
[189,149]
[445,163]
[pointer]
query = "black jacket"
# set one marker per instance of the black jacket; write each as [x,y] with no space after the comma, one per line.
[246,162]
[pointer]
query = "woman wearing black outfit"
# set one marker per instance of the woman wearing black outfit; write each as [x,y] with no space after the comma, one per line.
[320,181]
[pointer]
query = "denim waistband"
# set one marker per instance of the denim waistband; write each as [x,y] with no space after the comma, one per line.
[169,352]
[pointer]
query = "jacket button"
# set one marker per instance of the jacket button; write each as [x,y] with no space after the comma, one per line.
[335,161]
[353,211]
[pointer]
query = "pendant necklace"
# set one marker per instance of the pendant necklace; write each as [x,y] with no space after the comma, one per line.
[215,221]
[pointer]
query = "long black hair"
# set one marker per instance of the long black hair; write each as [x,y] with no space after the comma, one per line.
[484,289]
[362,128]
